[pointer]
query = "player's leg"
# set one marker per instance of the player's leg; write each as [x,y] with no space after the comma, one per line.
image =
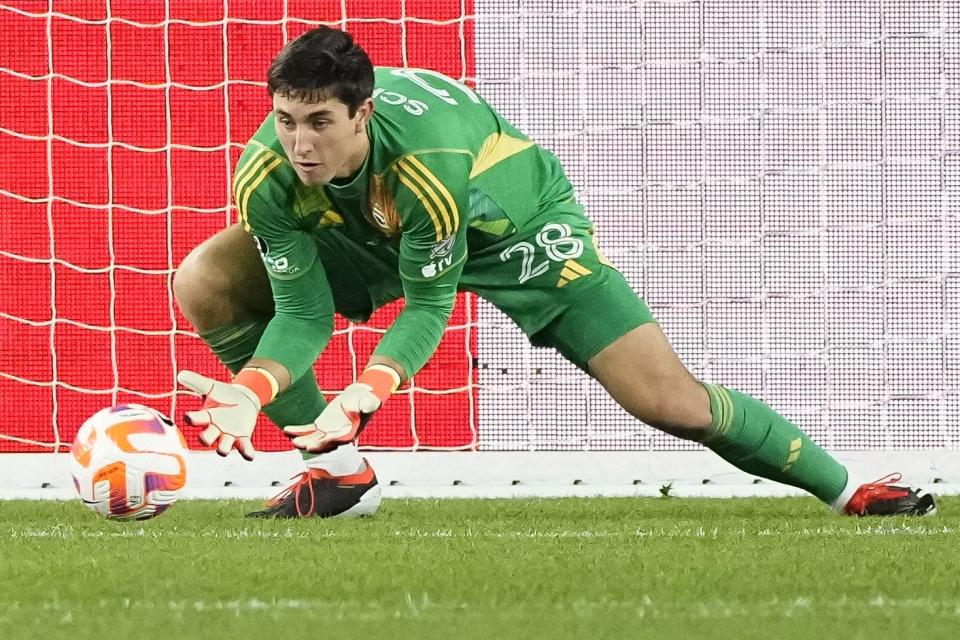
[652,384]
[568,297]
[643,374]
[223,290]
[640,370]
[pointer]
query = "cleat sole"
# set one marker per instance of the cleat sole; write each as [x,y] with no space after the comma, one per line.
[367,506]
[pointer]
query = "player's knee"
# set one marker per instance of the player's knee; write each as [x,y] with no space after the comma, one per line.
[677,408]
[202,291]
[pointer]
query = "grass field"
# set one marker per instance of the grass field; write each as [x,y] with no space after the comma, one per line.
[574,568]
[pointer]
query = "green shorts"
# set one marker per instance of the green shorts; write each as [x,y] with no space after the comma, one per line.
[554,284]
[548,278]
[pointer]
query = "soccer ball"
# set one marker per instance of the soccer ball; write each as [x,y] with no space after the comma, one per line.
[128,462]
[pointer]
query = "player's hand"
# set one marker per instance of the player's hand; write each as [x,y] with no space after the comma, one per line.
[229,413]
[346,416]
[339,423]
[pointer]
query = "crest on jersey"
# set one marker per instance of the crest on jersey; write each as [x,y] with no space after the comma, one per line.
[443,247]
[379,218]
[382,212]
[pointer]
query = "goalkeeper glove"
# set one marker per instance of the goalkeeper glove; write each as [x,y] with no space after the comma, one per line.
[229,410]
[346,416]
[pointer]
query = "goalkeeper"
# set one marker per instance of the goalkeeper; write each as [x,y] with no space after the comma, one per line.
[364,185]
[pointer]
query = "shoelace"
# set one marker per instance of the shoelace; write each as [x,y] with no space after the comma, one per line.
[890,478]
[303,478]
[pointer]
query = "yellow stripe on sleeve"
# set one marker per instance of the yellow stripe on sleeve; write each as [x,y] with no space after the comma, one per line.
[427,188]
[248,189]
[249,171]
[441,189]
[256,160]
[423,199]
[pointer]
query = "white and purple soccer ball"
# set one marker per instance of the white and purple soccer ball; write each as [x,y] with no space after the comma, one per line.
[128,462]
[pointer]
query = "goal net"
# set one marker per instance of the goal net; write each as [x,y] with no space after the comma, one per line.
[780,180]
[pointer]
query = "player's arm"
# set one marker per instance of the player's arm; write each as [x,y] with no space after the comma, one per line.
[292,341]
[431,196]
[303,306]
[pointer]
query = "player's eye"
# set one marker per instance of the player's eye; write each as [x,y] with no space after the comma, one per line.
[286,123]
[320,124]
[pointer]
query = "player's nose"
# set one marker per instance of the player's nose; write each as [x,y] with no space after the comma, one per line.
[302,143]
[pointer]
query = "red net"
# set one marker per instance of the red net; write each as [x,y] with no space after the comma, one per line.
[127,120]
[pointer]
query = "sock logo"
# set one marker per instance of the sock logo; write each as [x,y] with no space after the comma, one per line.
[794,453]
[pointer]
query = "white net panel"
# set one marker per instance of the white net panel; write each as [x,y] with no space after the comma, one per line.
[781,182]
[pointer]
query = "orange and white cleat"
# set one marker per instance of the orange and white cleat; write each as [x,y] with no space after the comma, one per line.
[318,494]
[885,498]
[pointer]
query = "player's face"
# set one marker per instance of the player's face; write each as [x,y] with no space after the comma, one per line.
[320,139]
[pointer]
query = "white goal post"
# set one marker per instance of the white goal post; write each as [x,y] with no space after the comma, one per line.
[498,474]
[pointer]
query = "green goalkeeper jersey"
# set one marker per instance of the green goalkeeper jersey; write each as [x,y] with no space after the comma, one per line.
[441,161]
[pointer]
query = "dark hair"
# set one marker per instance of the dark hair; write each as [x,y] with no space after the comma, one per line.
[320,64]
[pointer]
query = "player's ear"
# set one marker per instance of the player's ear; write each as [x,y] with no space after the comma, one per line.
[364,112]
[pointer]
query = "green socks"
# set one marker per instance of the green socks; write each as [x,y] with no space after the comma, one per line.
[754,438]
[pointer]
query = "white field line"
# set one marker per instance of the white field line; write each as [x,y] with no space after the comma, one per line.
[423,605]
[308,532]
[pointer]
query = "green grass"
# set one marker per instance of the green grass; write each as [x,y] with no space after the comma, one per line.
[610,568]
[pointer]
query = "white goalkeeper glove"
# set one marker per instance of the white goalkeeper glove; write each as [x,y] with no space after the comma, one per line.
[229,410]
[347,414]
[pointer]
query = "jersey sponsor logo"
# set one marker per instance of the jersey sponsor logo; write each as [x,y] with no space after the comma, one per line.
[262,246]
[436,267]
[280,265]
[443,247]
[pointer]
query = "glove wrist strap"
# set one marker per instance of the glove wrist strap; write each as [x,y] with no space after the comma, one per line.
[260,381]
[383,379]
